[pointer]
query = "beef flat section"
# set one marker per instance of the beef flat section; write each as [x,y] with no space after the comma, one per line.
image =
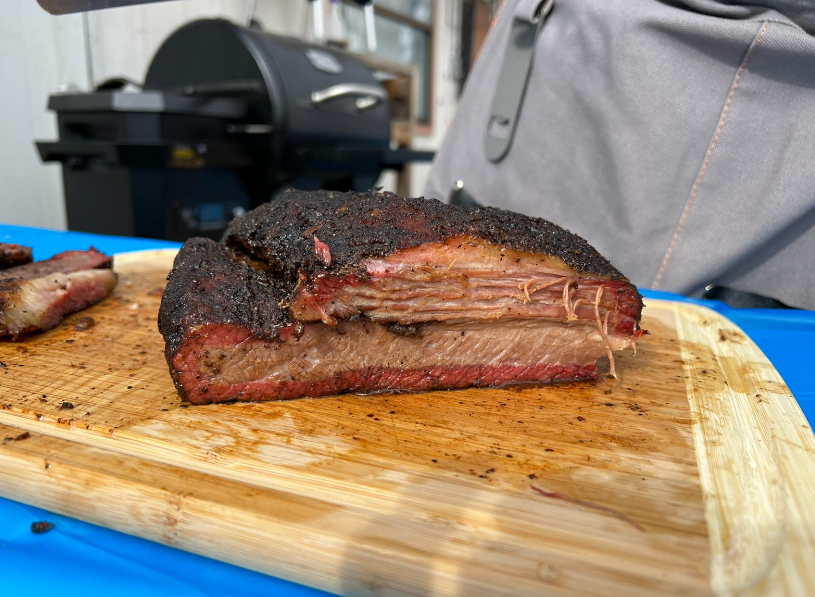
[321,293]
[36,296]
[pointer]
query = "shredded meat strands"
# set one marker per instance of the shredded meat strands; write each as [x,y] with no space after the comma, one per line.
[568,291]
[536,285]
[602,330]
[568,305]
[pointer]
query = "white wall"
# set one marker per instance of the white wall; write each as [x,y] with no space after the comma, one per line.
[124,40]
[40,54]
[446,26]
[37,54]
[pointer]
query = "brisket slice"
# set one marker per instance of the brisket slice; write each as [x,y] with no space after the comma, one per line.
[36,296]
[13,254]
[321,293]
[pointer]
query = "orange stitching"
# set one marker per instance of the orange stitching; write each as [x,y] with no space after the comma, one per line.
[709,154]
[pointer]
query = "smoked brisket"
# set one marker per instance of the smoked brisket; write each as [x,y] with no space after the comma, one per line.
[36,296]
[325,292]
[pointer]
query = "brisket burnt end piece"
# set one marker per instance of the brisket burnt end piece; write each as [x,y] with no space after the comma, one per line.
[12,255]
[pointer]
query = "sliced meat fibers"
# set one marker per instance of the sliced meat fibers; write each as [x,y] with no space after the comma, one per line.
[325,292]
[38,295]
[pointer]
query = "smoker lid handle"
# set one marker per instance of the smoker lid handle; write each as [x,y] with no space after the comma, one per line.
[369,95]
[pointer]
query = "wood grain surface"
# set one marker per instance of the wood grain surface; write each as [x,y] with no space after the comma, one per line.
[691,474]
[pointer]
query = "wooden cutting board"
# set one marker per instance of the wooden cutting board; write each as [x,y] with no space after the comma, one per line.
[693,473]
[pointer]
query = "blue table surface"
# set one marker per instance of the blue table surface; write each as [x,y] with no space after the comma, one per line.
[77,558]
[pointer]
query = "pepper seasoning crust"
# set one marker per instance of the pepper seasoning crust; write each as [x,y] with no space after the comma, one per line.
[359,226]
[207,287]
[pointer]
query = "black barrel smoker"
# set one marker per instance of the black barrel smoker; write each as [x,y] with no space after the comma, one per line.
[227,117]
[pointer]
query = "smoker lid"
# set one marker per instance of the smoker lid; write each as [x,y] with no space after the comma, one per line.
[147,101]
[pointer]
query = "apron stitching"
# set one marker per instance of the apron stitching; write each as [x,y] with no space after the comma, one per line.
[709,154]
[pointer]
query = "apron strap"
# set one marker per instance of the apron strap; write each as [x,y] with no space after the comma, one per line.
[511,86]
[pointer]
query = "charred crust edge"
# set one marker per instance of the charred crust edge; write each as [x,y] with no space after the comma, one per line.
[206,287]
[358,226]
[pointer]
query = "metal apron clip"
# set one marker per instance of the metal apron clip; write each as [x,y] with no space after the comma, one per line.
[512,80]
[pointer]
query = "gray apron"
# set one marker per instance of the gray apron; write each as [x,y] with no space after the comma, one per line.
[676,137]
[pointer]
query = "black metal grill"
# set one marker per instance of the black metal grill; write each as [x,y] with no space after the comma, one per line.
[227,117]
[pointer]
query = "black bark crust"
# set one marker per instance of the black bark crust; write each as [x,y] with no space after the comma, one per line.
[207,287]
[358,226]
[12,255]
